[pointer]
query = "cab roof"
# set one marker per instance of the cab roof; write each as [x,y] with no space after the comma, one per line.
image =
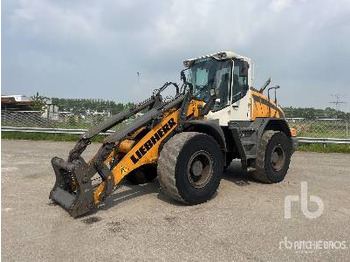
[223,55]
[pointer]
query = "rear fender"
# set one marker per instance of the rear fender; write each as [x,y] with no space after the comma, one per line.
[278,125]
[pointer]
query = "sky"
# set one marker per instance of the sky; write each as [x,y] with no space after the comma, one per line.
[94,49]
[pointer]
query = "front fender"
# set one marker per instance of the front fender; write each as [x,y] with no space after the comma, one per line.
[211,128]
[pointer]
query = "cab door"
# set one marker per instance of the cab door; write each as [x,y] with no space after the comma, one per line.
[238,103]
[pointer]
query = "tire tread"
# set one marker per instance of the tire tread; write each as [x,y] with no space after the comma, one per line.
[167,162]
[260,172]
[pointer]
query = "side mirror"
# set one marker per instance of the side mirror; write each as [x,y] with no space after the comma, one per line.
[183,76]
[244,69]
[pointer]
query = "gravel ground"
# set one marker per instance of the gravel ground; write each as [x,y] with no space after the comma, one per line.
[244,222]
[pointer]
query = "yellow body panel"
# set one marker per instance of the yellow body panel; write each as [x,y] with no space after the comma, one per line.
[146,150]
[263,107]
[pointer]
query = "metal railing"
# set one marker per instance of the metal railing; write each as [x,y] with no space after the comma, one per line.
[309,131]
[316,140]
[48,130]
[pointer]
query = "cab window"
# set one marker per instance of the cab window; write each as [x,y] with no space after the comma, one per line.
[240,81]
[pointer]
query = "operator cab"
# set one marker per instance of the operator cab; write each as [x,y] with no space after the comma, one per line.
[229,75]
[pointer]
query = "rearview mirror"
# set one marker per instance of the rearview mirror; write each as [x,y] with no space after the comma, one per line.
[183,76]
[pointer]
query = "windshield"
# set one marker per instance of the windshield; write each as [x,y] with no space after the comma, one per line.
[211,73]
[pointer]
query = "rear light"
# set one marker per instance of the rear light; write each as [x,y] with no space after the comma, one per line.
[293,132]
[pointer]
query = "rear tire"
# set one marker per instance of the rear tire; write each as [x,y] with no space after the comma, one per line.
[190,166]
[272,162]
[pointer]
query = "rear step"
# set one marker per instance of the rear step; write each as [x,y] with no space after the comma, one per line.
[73,188]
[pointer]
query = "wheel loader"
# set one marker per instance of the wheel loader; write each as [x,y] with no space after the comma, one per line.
[214,116]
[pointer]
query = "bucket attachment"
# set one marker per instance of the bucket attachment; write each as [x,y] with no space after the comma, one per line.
[73,188]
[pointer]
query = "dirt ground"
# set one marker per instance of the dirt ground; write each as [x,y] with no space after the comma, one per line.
[245,221]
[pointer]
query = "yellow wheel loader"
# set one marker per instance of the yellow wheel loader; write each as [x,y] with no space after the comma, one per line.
[186,141]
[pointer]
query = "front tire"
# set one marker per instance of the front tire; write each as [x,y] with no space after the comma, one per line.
[273,159]
[190,166]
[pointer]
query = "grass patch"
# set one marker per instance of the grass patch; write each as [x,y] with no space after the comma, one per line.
[329,148]
[45,136]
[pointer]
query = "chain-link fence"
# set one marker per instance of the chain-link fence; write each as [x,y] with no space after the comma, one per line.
[27,120]
[56,120]
[321,128]
[37,121]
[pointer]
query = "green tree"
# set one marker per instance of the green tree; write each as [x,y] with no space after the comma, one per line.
[80,106]
[37,102]
[314,113]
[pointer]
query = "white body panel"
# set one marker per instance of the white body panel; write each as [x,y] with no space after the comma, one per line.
[237,111]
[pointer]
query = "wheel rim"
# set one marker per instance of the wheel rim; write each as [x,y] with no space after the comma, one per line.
[200,169]
[277,158]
